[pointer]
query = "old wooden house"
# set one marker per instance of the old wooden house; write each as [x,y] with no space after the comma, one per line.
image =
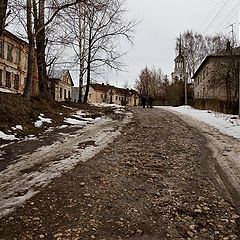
[14,64]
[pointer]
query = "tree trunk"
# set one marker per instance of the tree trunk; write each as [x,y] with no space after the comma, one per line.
[3,14]
[88,66]
[39,25]
[88,74]
[28,86]
[81,52]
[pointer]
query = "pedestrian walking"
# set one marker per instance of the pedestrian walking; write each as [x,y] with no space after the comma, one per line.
[150,101]
[143,101]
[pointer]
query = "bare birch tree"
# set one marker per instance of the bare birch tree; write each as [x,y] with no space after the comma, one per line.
[196,47]
[97,35]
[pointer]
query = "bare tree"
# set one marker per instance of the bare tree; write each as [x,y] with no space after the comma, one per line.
[196,47]
[95,35]
[31,57]
[41,22]
[225,77]
[151,82]
[3,14]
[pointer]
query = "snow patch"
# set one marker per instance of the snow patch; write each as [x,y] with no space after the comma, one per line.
[24,178]
[224,123]
[42,120]
[7,137]
[18,127]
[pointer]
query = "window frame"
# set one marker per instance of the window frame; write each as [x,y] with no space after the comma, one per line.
[10,52]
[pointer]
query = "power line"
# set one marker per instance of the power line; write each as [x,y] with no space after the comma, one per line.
[211,12]
[230,16]
[226,5]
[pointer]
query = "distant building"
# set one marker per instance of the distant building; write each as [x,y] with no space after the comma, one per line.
[106,93]
[14,64]
[179,73]
[214,79]
[61,85]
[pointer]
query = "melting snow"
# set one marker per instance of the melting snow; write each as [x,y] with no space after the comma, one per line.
[42,120]
[224,123]
[21,180]
[7,137]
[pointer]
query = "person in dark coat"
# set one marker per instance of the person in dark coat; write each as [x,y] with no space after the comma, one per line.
[143,101]
[150,101]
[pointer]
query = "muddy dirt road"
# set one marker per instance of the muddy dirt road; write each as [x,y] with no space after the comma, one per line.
[157,180]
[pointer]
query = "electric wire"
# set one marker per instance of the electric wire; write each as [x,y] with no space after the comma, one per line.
[226,5]
[228,18]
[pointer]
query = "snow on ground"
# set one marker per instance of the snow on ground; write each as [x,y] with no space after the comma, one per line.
[6,90]
[224,123]
[42,120]
[24,178]
[7,136]
[18,127]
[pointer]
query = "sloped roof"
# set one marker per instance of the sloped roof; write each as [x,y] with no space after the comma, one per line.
[179,58]
[234,53]
[106,87]
[101,87]
[57,74]
[12,36]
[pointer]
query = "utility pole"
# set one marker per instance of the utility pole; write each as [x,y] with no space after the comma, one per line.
[185,77]
[238,54]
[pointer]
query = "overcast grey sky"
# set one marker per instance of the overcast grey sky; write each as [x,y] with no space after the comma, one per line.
[162,22]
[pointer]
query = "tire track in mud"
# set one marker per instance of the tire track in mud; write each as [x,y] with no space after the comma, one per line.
[226,152]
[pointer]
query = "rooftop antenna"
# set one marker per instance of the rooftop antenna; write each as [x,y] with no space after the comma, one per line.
[232,33]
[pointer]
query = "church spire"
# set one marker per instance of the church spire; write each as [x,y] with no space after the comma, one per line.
[180,46]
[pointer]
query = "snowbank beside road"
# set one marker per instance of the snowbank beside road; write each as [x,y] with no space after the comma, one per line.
[224,123]
[34,170]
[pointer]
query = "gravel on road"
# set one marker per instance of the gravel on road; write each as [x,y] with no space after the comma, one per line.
[155,181]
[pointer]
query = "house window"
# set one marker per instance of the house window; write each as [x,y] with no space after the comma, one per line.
[1,77]
[101,96]
[60,92]
[26,61]
[8,79]
[69,95]
[17,55]
[89,95]
[116,98]
[10,52]
[65,93]
[1,49]
[16,82]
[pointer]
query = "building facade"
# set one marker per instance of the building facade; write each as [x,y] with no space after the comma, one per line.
[61,85]
[14,64]
[214,79]
[99,93]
